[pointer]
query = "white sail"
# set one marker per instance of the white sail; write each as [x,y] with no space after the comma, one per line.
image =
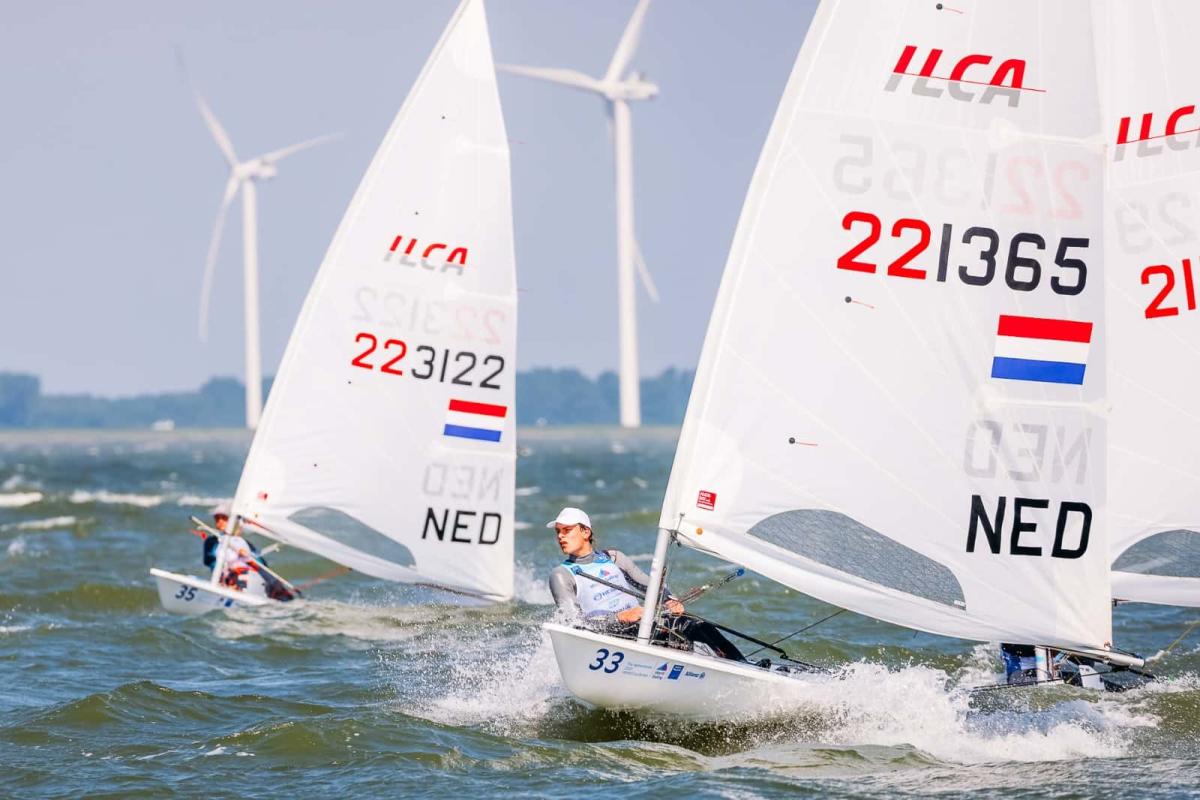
[898,407]
[1150,91]
[388,441]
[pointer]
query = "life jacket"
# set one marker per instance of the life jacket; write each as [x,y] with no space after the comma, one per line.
[594,597]
[238,555]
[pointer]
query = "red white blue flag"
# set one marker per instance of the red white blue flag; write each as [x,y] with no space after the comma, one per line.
[481,421]
[1043,350]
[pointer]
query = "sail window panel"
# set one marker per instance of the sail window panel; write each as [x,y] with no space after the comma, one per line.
[1173,554]
[842,543]
[344,529]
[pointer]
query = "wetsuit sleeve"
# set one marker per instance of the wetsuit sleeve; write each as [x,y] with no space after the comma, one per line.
[633,573]
[562,589]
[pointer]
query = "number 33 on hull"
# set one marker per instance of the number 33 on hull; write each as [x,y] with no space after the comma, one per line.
[621,674]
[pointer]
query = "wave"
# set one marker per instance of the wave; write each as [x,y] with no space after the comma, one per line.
[202,501]
[92,598]
[81,496]
[50,523]
[145,702]
[20,499]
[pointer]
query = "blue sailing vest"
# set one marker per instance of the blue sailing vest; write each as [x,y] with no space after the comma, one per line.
[596,598]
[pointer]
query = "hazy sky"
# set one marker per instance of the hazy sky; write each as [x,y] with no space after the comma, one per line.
[110,181]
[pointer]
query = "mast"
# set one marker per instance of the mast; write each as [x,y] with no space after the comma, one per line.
[657,567]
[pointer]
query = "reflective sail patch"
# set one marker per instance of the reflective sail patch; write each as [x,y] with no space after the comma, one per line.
[481,421]
[1043,350]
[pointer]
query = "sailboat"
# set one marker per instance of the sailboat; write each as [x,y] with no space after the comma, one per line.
[899,403]
[1153,191]
[388,441]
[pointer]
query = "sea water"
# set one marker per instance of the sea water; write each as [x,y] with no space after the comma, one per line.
[370,689]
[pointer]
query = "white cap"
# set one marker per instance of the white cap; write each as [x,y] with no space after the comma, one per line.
[571,516]
[221,510]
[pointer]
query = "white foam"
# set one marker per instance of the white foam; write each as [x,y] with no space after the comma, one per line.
[530,586]
[203,501]
[47,524]
[920,707]
[16,547]
[501,694]
[528,491]
[19,499]
[80,496]
[862,706]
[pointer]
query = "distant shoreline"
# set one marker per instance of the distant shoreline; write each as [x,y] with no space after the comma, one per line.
[545,397]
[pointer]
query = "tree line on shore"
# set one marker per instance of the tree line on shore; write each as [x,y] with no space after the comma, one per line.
[544,397]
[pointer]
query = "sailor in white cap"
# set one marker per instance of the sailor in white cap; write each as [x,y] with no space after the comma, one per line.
[611,610]
[237,557]
[220,515]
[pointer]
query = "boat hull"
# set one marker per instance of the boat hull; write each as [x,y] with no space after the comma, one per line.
[185,594]
[620,674]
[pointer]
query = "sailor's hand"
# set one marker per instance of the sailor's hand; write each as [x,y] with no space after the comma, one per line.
[630,614]
[674,606]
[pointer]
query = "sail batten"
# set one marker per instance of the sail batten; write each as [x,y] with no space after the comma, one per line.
[899,407]
[388,440]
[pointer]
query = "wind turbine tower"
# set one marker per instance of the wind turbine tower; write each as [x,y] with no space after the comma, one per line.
[618,88]
[242,176]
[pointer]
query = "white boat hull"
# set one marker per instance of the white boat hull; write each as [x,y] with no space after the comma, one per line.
[185,594]
[621,674]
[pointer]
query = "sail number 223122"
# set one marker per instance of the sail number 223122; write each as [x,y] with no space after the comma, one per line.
[460,367]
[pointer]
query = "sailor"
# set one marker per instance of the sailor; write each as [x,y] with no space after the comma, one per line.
[212,541]
[611,610]
[1026,665]
[1021,664]
[240,558]
[220,516]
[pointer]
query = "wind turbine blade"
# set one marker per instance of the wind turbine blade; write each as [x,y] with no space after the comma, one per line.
[644,273]
[210,262]
[628,44]
[568,77]
[284,152]
[210,119]
[217,131]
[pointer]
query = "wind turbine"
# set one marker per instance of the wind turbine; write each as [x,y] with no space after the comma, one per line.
[618,89]
[243,175]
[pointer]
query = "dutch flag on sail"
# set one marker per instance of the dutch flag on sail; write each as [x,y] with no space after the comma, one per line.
[482,421]
[1044,350]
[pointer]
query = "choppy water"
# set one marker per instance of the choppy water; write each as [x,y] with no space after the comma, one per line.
[365,689]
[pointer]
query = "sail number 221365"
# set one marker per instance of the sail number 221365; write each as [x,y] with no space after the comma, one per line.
[1016,259]
[423,362]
